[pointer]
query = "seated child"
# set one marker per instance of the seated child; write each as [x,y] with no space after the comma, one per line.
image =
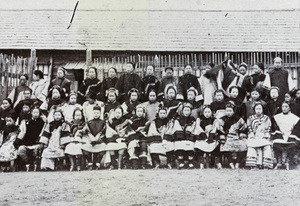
[273,106]
[218,105]
[259,152]
[207,141]
[184,136]
[196,105]
[240,106]
[118,132]
[93,139]
[254,99]
[138,125]
[151,106]
[54,138]
[88,106]
[25,113]
[170,102]
[155,131]
[129,105]
[73,149]
[111,103]
[233,135]
[70,107]
[8,152]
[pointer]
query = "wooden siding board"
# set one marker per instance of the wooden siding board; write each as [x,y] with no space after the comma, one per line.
[151,30]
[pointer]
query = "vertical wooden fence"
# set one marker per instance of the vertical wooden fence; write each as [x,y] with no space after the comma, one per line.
[11,68]
[177,61]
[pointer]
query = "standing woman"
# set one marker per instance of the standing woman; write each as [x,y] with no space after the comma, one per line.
[39,86]
[16,94]
[87,84]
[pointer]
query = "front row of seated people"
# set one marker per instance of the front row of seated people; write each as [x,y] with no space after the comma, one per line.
[137,135]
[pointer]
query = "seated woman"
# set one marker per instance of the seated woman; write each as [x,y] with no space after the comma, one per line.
[259,152]
[233,135]
[285,135]
[8,135]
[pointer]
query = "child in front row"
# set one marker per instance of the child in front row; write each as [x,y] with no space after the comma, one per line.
[118,132]
[233,130]
[207,140]
[8,135]
[155,132]
[73,149]
[138,123]
[184,136]
[218,105]
[54,139]
[93,139]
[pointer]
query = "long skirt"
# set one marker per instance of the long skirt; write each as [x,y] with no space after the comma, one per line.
[93,148]
[114,146]
[234,144]
[184,145]
[259,156]
[156,148]
[8,152]
[73,149]
[52,152]
[204,146]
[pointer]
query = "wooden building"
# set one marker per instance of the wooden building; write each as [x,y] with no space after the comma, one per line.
[165,38]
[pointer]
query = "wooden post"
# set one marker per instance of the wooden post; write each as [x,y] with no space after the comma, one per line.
[89,61]
[31,63]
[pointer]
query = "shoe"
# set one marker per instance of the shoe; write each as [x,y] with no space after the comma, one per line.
[97,166]
[78,168]
[201,166]
[231,165]
[181,166]
[219,166]
[191,166]
[111,167]
[27,167]
[71,168]
[170,166]
[90,166]
[287,166]
[278,166]
[237,165]
[156,166]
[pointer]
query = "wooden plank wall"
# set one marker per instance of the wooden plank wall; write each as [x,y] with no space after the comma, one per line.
[177,61]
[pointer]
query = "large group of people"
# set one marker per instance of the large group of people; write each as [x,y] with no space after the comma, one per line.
[224,118]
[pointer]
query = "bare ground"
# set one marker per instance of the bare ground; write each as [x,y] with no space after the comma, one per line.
[151,187]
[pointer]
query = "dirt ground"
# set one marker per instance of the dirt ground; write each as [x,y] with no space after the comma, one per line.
[151,187]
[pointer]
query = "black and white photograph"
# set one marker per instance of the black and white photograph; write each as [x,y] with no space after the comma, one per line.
[149,102]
